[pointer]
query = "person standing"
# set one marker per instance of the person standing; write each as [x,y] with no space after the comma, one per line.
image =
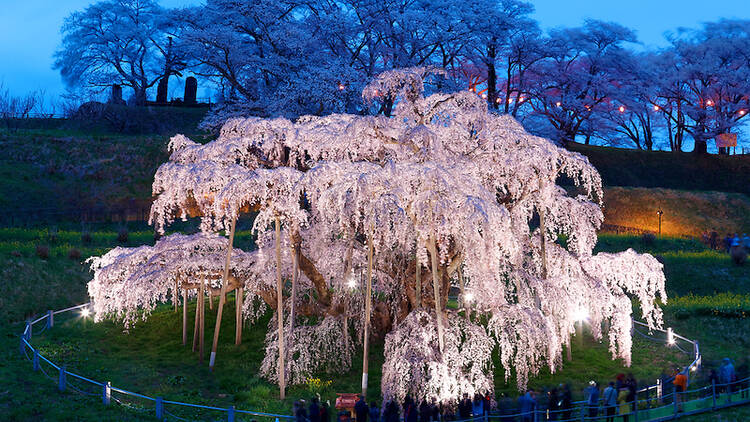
[410,410]
[300,414]
[425,413]
[622,400]
[726,374]
[374,412]
[477,406]
[566,402]
[527,403]
[610,401]
[314,410]
[464,407]
[632,386]
[325,412]
[554,405]
[390,413]
[680,385]
[361,410]
[592,399]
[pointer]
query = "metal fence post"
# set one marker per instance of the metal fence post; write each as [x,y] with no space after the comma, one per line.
[61,381]
[674,401]
[106,393]
[28,330]
[635,408]
[36,360]
[713,393]
[230,414]
[159,408]
[50,319]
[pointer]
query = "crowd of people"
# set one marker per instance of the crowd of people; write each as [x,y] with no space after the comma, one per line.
[617,399]
[736,241]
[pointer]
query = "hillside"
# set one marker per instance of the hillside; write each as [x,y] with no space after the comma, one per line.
[662,169]
[49,171]
[686,213]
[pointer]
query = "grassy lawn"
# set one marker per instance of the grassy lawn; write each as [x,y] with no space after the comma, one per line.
[688,213]
[150,358]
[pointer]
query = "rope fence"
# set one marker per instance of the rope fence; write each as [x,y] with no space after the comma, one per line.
[157,406]
[651,403]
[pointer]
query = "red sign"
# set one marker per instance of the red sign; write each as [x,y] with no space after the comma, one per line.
[724,140]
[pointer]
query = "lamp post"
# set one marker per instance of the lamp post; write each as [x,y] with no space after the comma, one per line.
[659,213]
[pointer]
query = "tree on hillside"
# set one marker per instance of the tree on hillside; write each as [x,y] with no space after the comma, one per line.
[578,77]
[123,42]
[387,214]
[716,73]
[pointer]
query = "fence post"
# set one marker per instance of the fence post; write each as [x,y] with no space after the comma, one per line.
[230,414]
[674,401]
[61,381]
[36,360]
[583,411]
[28,330]
[159,408]
[713,393]
[106,393]
[50,319]
[635,407]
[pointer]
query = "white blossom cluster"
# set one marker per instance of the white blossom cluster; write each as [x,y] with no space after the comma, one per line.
[415,366]
[129,283]
[441,173]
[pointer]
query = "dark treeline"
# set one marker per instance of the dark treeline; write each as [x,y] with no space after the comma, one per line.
[279,57]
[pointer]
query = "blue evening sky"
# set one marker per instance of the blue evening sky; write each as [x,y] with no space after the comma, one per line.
[29,29]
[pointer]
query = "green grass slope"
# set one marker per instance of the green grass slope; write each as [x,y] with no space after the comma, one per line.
[686,213]
[151,359]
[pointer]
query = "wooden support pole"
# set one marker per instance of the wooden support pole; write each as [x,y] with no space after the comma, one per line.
[197,319]
[184,317]
[436,290]
[368,306]
[202,322]
[293,298]
[210,299]
[238,315]
[176,289]
[543,234]
[462,287]
[222,296]
[418,277]
[280,312]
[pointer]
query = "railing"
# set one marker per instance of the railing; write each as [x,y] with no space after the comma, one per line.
[157,406]
[660,407]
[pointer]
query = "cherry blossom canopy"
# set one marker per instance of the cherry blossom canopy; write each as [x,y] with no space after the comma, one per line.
[446,191]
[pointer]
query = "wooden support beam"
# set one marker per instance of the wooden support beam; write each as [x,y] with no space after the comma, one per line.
[368,306]
[184,317]
[222,296]
[197,320]
[436,288]
[238,316]
[202,327]
[280,313]
[418,277]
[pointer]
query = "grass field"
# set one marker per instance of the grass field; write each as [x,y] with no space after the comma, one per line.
[151,359]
